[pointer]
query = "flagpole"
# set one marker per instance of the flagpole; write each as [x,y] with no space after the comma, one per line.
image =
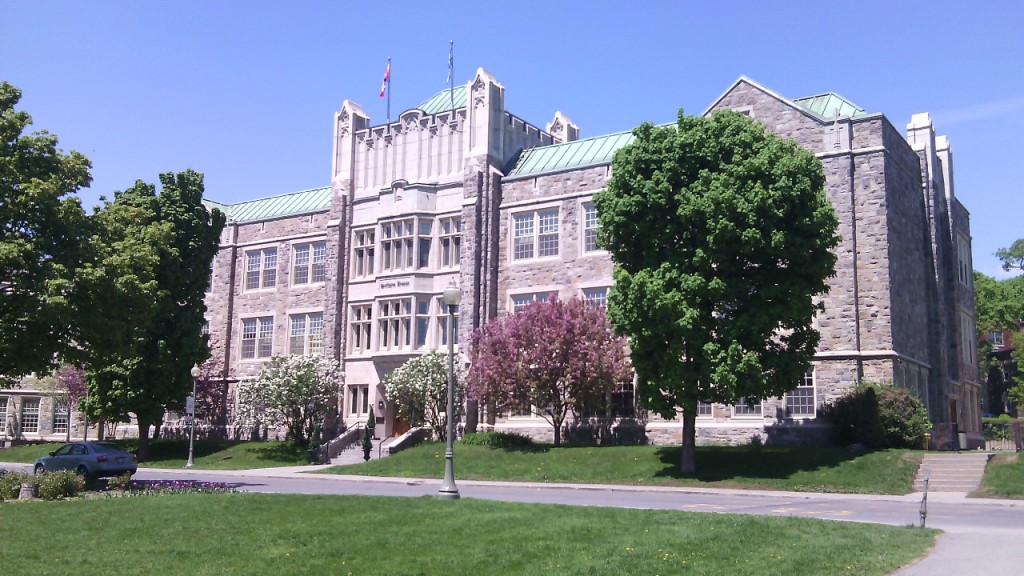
[389,93]
[451,78]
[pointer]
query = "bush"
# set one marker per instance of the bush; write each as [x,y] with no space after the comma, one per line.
[10,484]
[997,428]
[505,440]
[63,484]
[122,482]
[878,416]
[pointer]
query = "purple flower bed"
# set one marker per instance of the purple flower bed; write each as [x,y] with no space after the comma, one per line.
[155,487]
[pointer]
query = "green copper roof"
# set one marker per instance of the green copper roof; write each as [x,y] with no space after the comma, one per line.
[304,202]
[443,100]
[576,154]
[826,105]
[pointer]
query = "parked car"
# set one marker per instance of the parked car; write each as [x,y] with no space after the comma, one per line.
[89,459]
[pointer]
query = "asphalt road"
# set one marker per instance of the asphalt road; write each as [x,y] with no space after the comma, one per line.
[981,535]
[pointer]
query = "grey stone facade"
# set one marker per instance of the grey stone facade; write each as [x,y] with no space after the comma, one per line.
[899,310]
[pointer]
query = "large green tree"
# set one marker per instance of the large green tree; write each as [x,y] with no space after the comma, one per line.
[1012,257]
[721,236]
[999,307]
[150,373]
[41,230]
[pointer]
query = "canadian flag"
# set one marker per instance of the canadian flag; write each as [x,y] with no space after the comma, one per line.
[387,78]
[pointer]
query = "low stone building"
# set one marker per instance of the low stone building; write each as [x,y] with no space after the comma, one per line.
[459,190]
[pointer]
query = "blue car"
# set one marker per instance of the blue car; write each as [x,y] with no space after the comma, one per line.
[93,459]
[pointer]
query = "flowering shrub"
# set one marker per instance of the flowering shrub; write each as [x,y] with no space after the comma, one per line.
[419,390]
[296,392]
[10,484]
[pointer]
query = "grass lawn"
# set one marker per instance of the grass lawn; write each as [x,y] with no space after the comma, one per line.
[209,454]
[351,535]
[768,467]
[1004,477]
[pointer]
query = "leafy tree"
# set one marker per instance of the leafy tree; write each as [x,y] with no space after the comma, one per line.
[721,237]
[999,306]
[148,370]
[41,231]
[552,358]
[1012,257]
[69,388]
[296,392]
[419,391]
[878,416]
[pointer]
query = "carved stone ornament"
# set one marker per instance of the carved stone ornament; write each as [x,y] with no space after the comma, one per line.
[478,93]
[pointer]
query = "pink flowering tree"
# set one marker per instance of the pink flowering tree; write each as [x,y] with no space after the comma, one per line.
[552,358]
[70,387]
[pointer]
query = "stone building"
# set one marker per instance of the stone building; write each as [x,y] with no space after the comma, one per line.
[459,190]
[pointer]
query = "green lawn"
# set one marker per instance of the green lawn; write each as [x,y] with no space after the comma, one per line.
[291,534]
[208,454]
[771,468]
[1004,477]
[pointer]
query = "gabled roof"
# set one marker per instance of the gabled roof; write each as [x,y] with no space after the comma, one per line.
[303,202]
[830,105]
[568,155]
[443,100]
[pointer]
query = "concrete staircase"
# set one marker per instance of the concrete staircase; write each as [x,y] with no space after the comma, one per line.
[353,454]
[952,471]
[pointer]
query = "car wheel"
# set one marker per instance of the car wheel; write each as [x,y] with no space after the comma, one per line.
[40,469]
[82,471]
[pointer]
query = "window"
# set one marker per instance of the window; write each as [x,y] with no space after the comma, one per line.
[442,323]
[589,228]
[396,245]
[306,336]
[257,337]
[209,281]
[362,257]
[310,263]
[422,321]
[61,419]
[30,415]
[360,321]
[206,328]
[394,321]
[535,234]
[358,400]
[596,297]
[703,409]
[800,401]
[261,269]
[520,301]
[966,339]
[963,246]
[996,339]
[743,407]
[423,243]
[450,238]
[3,413]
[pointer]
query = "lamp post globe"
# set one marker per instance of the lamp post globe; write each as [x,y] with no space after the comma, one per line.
[452,296]
[195,372]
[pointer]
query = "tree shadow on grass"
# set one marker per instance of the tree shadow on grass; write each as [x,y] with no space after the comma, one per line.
[282,452]
[725,463]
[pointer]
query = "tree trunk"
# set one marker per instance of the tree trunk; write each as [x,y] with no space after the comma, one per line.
[689,460]
[558,433]
[143,439]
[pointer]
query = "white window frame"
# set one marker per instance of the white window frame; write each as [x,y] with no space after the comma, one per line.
[309,263]
[796,399]
[61,419]
[5,402]
[363,251]
[394,324]
[30,415]
[596,297]
[995,338]
[262,334]
[358,400]
[963,246]
[705,409]
[588,229]
[536,234]
[361,328]
[517,302]
[398,245]
[449,232]
[741,410]
[442,324]
[261,272]
[967,342]
[306,333]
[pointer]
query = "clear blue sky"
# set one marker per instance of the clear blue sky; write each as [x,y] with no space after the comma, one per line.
[245,91]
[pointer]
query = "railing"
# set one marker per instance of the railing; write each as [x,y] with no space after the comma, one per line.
[337,446]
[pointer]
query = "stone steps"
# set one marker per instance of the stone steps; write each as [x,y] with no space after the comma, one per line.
[354,453]
[952,472]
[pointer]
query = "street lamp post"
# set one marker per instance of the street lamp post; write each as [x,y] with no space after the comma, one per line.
[449,491]
[190,407]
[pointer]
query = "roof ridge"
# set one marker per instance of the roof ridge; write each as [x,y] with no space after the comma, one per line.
[272,197]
